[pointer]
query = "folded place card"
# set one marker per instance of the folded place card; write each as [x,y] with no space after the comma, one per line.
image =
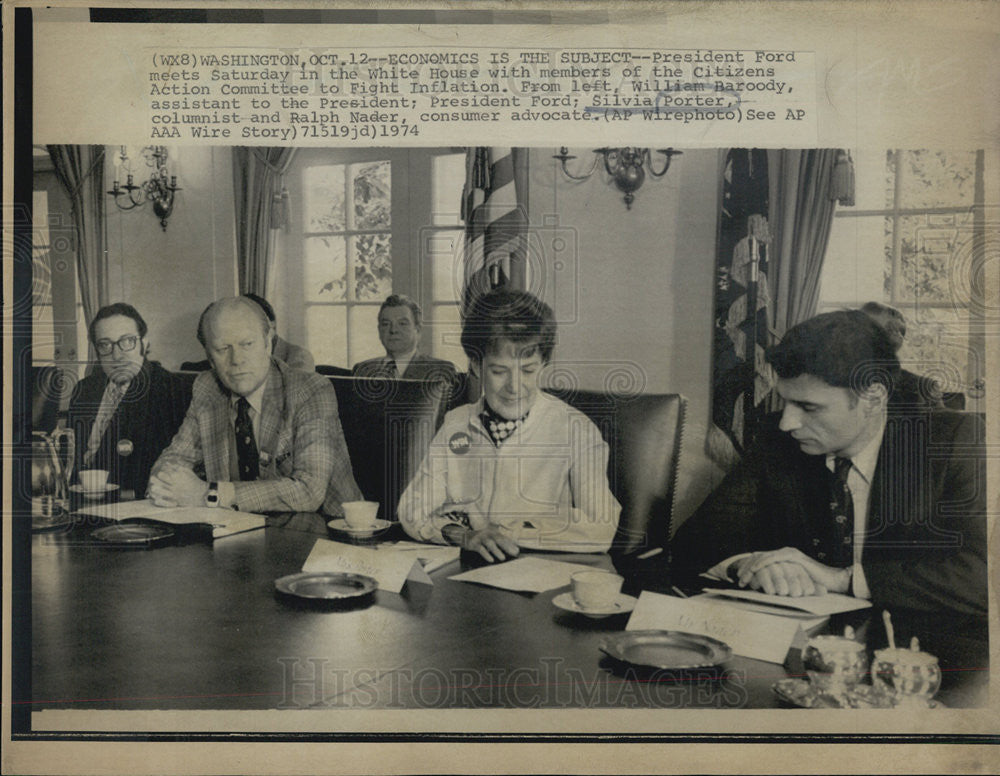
[528,575]
[224,522]
[432,556]
[820,605]
[750,634]
[389,568]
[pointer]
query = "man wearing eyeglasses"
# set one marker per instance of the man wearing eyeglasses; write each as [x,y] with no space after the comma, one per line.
[125,413]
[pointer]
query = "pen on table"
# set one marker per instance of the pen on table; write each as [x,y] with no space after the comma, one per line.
[679,592]
[650,553]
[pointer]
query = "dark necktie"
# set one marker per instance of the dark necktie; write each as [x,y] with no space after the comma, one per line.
[842,508]
[246,445]
[390,369]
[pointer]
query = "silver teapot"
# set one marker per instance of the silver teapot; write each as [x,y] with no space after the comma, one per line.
[50,473]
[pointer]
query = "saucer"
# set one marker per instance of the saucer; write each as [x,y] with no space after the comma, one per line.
[109,487]
[378,527]
[624,603]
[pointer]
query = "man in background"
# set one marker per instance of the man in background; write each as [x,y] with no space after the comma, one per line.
[399,325]
[910,390]
[259,435]
[295,356]
[125,413]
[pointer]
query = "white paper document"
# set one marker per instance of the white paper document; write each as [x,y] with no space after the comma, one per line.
[530,575]
[224,522]
[750,634]
[386,566]
[820,605]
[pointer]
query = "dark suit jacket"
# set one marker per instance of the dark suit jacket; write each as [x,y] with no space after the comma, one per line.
[421,367]
[925,546]
[149,415]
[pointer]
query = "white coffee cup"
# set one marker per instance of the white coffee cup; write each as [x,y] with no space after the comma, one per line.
[93,479]
[596,589]
[360,514]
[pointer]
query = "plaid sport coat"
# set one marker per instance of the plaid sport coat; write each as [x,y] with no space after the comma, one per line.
[304,460]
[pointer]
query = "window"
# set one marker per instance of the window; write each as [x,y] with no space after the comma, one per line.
[910,242]
[444,242]
[347,257]
[58,334]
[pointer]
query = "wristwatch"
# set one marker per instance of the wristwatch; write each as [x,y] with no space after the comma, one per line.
[454,534]
[212,497]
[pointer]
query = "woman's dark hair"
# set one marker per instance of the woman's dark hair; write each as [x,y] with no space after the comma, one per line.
[506,314]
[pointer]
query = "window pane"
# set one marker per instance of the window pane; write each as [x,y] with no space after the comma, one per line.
[372,266]
[928,251]
[372,195]
[937,178]
[443,252]
[323,191]
[447,182]
[853,268]
[326,334]
[325,269]
[364,341]
[447,328]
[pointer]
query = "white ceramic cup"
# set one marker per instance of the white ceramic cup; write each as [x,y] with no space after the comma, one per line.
[596,589]
[93,479]
[360,514]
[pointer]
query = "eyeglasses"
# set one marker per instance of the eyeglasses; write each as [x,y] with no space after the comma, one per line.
[125,344]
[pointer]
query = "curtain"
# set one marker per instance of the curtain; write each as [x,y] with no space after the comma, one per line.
[740,379]
[80,169]
[261,205]
[803,194]
[495,212]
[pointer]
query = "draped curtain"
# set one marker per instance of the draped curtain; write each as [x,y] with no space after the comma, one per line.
[495,212]
[261,205]
[803,196]
[80,169]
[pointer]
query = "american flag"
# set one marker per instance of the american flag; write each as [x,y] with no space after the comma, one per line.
[495,215]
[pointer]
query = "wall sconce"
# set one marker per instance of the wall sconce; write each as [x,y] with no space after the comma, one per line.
[156,190]
[624,165]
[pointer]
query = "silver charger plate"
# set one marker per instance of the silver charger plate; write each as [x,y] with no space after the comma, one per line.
[326,586]
[133,535]
[668,650]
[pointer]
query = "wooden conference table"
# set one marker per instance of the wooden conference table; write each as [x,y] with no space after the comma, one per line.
[198,626]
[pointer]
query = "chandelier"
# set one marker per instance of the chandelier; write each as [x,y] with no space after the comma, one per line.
[626,166]
[159,189]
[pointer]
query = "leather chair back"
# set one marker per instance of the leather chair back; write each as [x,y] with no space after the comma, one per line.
[388,426]
[46,390]
[644,434]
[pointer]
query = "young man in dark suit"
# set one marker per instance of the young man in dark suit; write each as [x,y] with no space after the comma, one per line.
[399,324]
[126,412]
[845,492]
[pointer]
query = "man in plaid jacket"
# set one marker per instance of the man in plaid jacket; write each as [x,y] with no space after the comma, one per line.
[258,435]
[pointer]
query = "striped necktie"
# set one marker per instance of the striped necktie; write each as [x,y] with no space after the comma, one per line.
[109,405]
